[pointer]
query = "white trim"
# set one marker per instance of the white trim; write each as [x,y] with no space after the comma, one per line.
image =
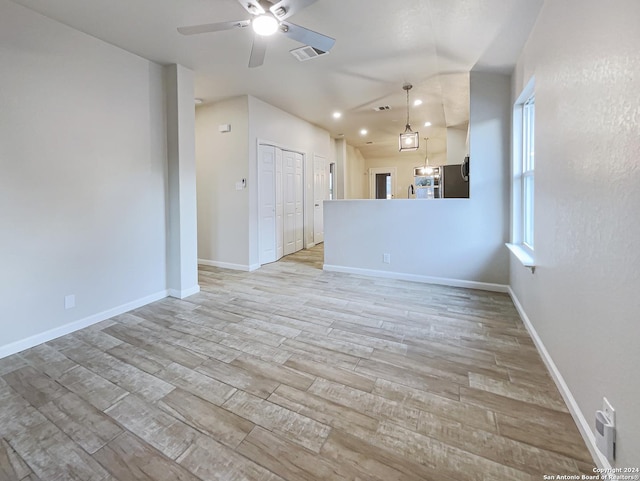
[574,409]
[65,329]
[401,276]
[523,254]
[229,265]
[185,292]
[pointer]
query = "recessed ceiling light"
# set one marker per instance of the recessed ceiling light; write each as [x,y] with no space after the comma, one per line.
[417,102]
[427,124]
[364,132]
[337,115]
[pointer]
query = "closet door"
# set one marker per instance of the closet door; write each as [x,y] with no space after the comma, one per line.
[279,206]
[267,203]
[289,201]
[299,203]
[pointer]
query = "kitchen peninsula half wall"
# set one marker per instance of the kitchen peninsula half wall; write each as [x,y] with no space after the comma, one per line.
[457,242]
[448,242]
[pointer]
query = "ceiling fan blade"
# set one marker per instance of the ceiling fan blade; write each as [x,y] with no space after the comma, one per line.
[258,51]
[285,8]
[213,27]
[252,6]
[307,37]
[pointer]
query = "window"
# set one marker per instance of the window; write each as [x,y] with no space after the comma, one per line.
[528,135]
[523,186]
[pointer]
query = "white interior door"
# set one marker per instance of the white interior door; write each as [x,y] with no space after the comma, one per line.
[281,202]
[299,202]
[267,203]
[289,201]
[319,195]
[279,206]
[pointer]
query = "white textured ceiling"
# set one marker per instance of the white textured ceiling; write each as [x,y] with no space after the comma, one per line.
[380,45]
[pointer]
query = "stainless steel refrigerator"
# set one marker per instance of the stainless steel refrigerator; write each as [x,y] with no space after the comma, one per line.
[454,180]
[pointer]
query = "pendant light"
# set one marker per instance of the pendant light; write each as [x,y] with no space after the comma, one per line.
[426,169]
[409,139]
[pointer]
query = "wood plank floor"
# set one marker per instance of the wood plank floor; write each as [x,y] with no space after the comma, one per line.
[291,373]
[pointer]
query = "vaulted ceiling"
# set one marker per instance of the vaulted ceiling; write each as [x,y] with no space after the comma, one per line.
[380,45]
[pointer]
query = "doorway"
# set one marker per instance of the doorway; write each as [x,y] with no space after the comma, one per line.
[319,196]
[382,182]
[332,180]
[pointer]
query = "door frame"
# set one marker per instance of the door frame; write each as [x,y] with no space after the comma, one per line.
[393,171]
[318,200]
[305,193]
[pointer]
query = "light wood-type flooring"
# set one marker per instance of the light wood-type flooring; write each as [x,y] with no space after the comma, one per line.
[291,373]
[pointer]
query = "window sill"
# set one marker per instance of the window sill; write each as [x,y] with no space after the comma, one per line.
[523,255]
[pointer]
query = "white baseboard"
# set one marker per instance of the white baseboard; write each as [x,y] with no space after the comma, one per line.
[228,265]
[583,426]
[401,276]
[184,293]
[65,329]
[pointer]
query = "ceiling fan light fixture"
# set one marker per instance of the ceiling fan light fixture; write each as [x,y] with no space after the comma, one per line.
[265,25]
[408,140]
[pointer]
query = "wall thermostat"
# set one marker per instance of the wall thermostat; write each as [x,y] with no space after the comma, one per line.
[224,128]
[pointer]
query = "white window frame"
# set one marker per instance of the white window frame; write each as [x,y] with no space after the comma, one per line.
[523,175]
[528,171]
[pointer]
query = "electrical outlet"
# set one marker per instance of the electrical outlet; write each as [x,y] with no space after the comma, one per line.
[70,301]
[609,411]
[386,258]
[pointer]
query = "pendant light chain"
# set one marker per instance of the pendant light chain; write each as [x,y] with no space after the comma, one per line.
[408,140]
[426,152]
[407,124]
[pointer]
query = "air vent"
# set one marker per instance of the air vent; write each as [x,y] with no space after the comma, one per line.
[382,108]
[306,53]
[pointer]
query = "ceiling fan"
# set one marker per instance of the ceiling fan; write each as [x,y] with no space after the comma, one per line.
[267,19]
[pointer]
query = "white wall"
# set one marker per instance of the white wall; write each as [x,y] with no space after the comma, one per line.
[583,298]
[456,145]
[355,175]
[272,125]
[182,255]
[340,150]
[404,173]
[440,240]
[83,183]
[221,161]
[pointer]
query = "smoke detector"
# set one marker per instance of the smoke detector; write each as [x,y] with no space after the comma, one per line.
[306,53]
